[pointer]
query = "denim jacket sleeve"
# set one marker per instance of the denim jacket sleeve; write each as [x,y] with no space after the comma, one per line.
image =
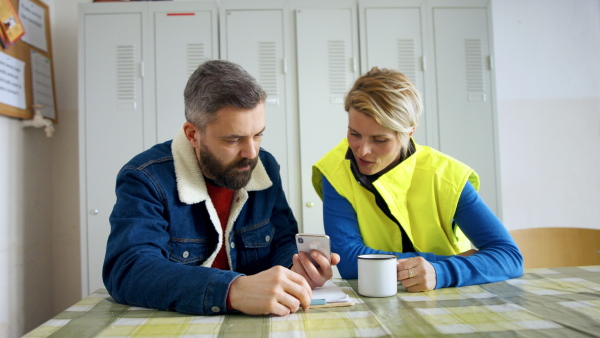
[137,269]
[286,227]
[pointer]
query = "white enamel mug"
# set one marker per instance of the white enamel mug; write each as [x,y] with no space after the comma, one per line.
[377,275]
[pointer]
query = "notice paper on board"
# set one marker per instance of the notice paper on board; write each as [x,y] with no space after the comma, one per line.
[12,81]
[33,20]
[43,91]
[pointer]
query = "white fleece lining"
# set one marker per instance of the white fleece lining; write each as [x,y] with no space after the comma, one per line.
[191,188]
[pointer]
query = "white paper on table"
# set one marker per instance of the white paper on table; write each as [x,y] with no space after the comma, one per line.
[330,292]
[43,93]
[12,81]
[33,18]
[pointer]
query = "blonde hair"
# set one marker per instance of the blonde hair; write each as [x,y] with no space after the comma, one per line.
[390,98]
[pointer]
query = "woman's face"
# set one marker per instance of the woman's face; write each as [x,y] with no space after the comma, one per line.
[375,147]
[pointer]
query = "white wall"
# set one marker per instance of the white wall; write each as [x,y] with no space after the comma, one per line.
[548,90]
[39,199]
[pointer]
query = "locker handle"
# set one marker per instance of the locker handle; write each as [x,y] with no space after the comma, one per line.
[142,69]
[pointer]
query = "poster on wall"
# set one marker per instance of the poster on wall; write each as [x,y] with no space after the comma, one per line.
[11,28]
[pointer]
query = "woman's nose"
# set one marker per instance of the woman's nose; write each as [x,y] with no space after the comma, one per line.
[363,149]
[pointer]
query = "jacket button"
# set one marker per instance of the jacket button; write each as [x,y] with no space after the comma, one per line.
[267,238]
[186,254]
[215,309]
[232,245]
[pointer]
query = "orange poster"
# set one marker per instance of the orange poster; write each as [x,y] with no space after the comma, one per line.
[12,29]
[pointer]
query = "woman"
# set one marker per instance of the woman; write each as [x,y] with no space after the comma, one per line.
[383,193]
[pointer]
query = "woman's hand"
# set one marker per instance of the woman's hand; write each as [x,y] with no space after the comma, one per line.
[416,274]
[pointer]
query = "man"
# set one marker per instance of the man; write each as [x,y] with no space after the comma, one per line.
[201,224]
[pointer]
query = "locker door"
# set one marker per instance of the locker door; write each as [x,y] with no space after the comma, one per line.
[254,40]
[113,121]
[465,107]
[393,39]
[327,67]
[183,40]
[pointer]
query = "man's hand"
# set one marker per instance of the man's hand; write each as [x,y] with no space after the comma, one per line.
[416,274]
[277,290]
[314,276]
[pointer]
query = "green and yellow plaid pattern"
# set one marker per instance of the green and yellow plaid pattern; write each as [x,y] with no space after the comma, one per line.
[556,302]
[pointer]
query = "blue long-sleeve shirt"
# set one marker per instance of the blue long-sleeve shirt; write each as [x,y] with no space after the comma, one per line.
[498,257]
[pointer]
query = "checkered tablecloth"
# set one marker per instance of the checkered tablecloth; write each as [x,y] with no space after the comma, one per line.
[557,302]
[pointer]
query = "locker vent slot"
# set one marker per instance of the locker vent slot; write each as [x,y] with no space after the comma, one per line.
[126,75]
[407,59]
[337,68]
[475,65]
[196,55]
[267,68]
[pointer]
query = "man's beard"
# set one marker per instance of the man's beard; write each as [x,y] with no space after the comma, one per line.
[226,176]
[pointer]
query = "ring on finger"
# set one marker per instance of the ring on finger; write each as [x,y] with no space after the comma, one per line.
[410,273]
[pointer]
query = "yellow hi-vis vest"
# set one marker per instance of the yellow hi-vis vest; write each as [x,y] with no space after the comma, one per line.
[421,192]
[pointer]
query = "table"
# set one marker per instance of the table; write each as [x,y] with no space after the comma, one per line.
[555,302]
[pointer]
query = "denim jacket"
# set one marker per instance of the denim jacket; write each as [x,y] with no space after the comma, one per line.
[165,232]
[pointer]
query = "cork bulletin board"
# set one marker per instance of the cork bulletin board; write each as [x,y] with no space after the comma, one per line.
[26,68]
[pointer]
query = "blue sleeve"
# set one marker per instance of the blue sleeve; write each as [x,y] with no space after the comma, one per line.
[137,269]
[341,225]
[498,257]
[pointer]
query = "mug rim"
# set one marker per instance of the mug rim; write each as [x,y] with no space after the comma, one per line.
[377,256]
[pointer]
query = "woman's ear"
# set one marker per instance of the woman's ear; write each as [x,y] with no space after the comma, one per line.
[412,131]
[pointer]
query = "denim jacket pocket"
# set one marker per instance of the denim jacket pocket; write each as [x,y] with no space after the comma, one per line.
[256,236]
[188,251]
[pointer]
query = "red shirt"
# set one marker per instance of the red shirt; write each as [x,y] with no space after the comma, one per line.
[221,198]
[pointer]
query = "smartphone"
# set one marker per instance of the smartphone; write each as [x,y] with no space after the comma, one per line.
[310,242]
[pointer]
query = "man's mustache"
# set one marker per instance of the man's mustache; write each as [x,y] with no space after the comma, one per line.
[246,162]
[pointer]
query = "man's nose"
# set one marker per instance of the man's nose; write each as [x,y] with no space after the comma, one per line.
[250,149]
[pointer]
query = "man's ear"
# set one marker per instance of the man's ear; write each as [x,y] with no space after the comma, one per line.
[192,133]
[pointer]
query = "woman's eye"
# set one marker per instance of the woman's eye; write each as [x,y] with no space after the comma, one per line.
[380,140]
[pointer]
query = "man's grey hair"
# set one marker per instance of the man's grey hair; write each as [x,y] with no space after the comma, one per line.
[217,84]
